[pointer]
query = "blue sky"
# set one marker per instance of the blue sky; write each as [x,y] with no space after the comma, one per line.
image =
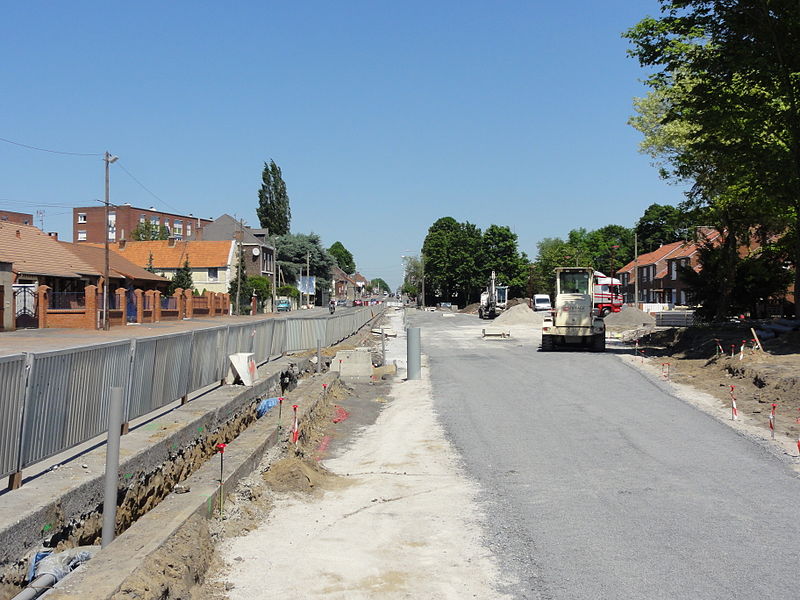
[383,116]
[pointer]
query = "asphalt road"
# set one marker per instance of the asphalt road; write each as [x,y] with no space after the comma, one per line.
[597,483]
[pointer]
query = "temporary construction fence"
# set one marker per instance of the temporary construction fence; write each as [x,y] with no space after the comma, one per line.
[53,401]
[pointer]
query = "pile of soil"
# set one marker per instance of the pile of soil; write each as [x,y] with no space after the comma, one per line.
[520,314]
[294,474]
[629,318]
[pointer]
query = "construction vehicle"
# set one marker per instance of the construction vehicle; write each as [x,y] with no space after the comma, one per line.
[493,300]
[575,321]
[607,294]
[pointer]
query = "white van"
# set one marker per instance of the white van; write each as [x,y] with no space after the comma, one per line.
[541,302]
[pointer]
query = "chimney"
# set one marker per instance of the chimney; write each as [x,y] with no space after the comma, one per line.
[171,241]
[53,234]
[19,236]
[121,244]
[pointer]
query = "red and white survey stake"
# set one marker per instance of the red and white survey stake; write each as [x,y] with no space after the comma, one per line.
[741,352]
[734,412]
[772,420]
[665,371]
[295,426]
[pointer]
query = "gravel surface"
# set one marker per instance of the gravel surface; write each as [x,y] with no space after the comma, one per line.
[600,483]
[402,521]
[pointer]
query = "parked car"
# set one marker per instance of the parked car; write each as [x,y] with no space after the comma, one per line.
[341,303]
[358,303]
[283,306]
[541,302]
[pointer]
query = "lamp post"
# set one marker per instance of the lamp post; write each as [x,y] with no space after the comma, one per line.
[613,259]
[108,159]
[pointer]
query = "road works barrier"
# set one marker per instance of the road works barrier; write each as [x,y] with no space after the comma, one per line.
[53,401]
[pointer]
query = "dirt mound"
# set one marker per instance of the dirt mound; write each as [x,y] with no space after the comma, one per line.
[296,475]
[520,314]
[629,318]
[470,309]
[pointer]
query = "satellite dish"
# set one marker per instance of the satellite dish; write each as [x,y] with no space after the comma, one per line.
[256,251]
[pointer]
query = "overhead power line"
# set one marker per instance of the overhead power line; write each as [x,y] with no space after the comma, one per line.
[51,151]
[146,189]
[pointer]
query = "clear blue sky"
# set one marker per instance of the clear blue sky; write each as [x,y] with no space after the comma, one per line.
[383,116]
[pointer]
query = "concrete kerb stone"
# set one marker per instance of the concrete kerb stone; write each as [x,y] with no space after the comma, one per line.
[105,576]
[67,504]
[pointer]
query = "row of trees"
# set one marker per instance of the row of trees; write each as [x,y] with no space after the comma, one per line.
[723,115]
[457,259]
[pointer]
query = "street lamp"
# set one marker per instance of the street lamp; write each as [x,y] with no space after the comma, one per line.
[108,159]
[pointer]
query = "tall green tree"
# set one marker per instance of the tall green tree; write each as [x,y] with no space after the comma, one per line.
[146,231]
[182,278]
[726,71]
[273,209]
[501,255]
[453,261]
[344,259]
[660,224]
[291,253]
[380,285]
[412,277]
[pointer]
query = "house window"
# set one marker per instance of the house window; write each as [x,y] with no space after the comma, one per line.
[142,218]
[673,265]
[112,226]
[213,273]
[154,220]
[81,236]
[81,217]
[188,230]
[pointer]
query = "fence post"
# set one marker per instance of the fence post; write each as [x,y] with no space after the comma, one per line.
[42,304]
[112,467]
[91,308]
[189,299]
[139,294]
[178,295]
[156,306]
[128,389]
[319,355]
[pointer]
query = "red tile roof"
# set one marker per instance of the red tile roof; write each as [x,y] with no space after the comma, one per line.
[118,265]
[165,256]
[33,252]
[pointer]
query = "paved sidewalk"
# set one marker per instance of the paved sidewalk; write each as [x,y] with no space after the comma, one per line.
[42,340]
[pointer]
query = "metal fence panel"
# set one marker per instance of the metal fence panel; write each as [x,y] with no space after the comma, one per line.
[160,372]
[69,396]
[208,357]
[278,346]
[262,344]
[12,398]
[240,339]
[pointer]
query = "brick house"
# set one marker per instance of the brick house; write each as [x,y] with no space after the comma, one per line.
[344,286]
[87,222]
[657,271]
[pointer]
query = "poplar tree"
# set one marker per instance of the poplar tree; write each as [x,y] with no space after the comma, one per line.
[273,209]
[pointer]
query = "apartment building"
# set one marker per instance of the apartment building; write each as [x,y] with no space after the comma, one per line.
[87,223]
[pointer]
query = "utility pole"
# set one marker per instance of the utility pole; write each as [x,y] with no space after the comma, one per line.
[108,160]
[636,269]
[308,277]
[422,268]
[239,269]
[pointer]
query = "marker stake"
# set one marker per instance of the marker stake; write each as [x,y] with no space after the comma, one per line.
[772,420]
[295,427]
[734,412]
